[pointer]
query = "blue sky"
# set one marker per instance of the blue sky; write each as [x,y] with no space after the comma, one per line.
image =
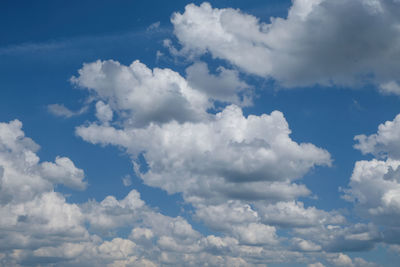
[183,133]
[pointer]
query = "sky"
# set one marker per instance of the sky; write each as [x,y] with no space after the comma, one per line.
[190,133]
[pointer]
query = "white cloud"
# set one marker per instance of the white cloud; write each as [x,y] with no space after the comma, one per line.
[256,234]
[23,177]
[111,213]
[294,214]
[385,143]
[103,112]
[321,41]
[235,213]
[127,180]
[305,245]
[63,171]
[375,186]
[342,260]
[210,159]
[154,26]
[38,225]
[32,214]
[224,86]
[140,94]
[340,238]
[62,111]
[390,88]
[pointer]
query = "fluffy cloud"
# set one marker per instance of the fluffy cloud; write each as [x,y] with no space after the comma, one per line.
[375,184]
[225,86]
[210,159]
[305,245]
[294,214]
[341,42]
[63,171]
[103,112]
[140,94]
[390,88]
[342,260]
[29,208]
[244,167]
[22,176]
[375,187]
[39,227]
[338,238]
[317,264]
[385,143]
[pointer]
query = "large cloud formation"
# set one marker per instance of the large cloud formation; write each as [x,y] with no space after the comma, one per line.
[229,155]
[240,175]
[375,184]
[245,167]
[40,228]
[329,42]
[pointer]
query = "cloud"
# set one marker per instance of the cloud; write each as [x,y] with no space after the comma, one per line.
[63,171]
[340,42]
[212,159]
[245,167]
[240,174]
[294,214]
[103,112]
[390,88]
[304,245]
[340,238]
[39,227]
[140,94]
[62,111]
[154,26]
[385,143]
[225,86]
[127,180]
[375,188]
[342,260]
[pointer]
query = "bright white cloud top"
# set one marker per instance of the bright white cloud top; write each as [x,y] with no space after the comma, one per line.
[187,132]
[330,42]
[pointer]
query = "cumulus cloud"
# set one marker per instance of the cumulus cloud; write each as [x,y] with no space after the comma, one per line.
[39,227]
[342,260]
[317,264]
[140,94]
[375,187]
[209,159]
[240,174]
[305,245]
[63,171]
[340,42]
[225,86]
[340,238]
[245,167]
[294,214]
[390,88]
[23,177]
[385,143]
[375,184]
[29,207]
[103,112]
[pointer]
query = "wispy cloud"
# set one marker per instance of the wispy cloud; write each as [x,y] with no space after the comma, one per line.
[62,111]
